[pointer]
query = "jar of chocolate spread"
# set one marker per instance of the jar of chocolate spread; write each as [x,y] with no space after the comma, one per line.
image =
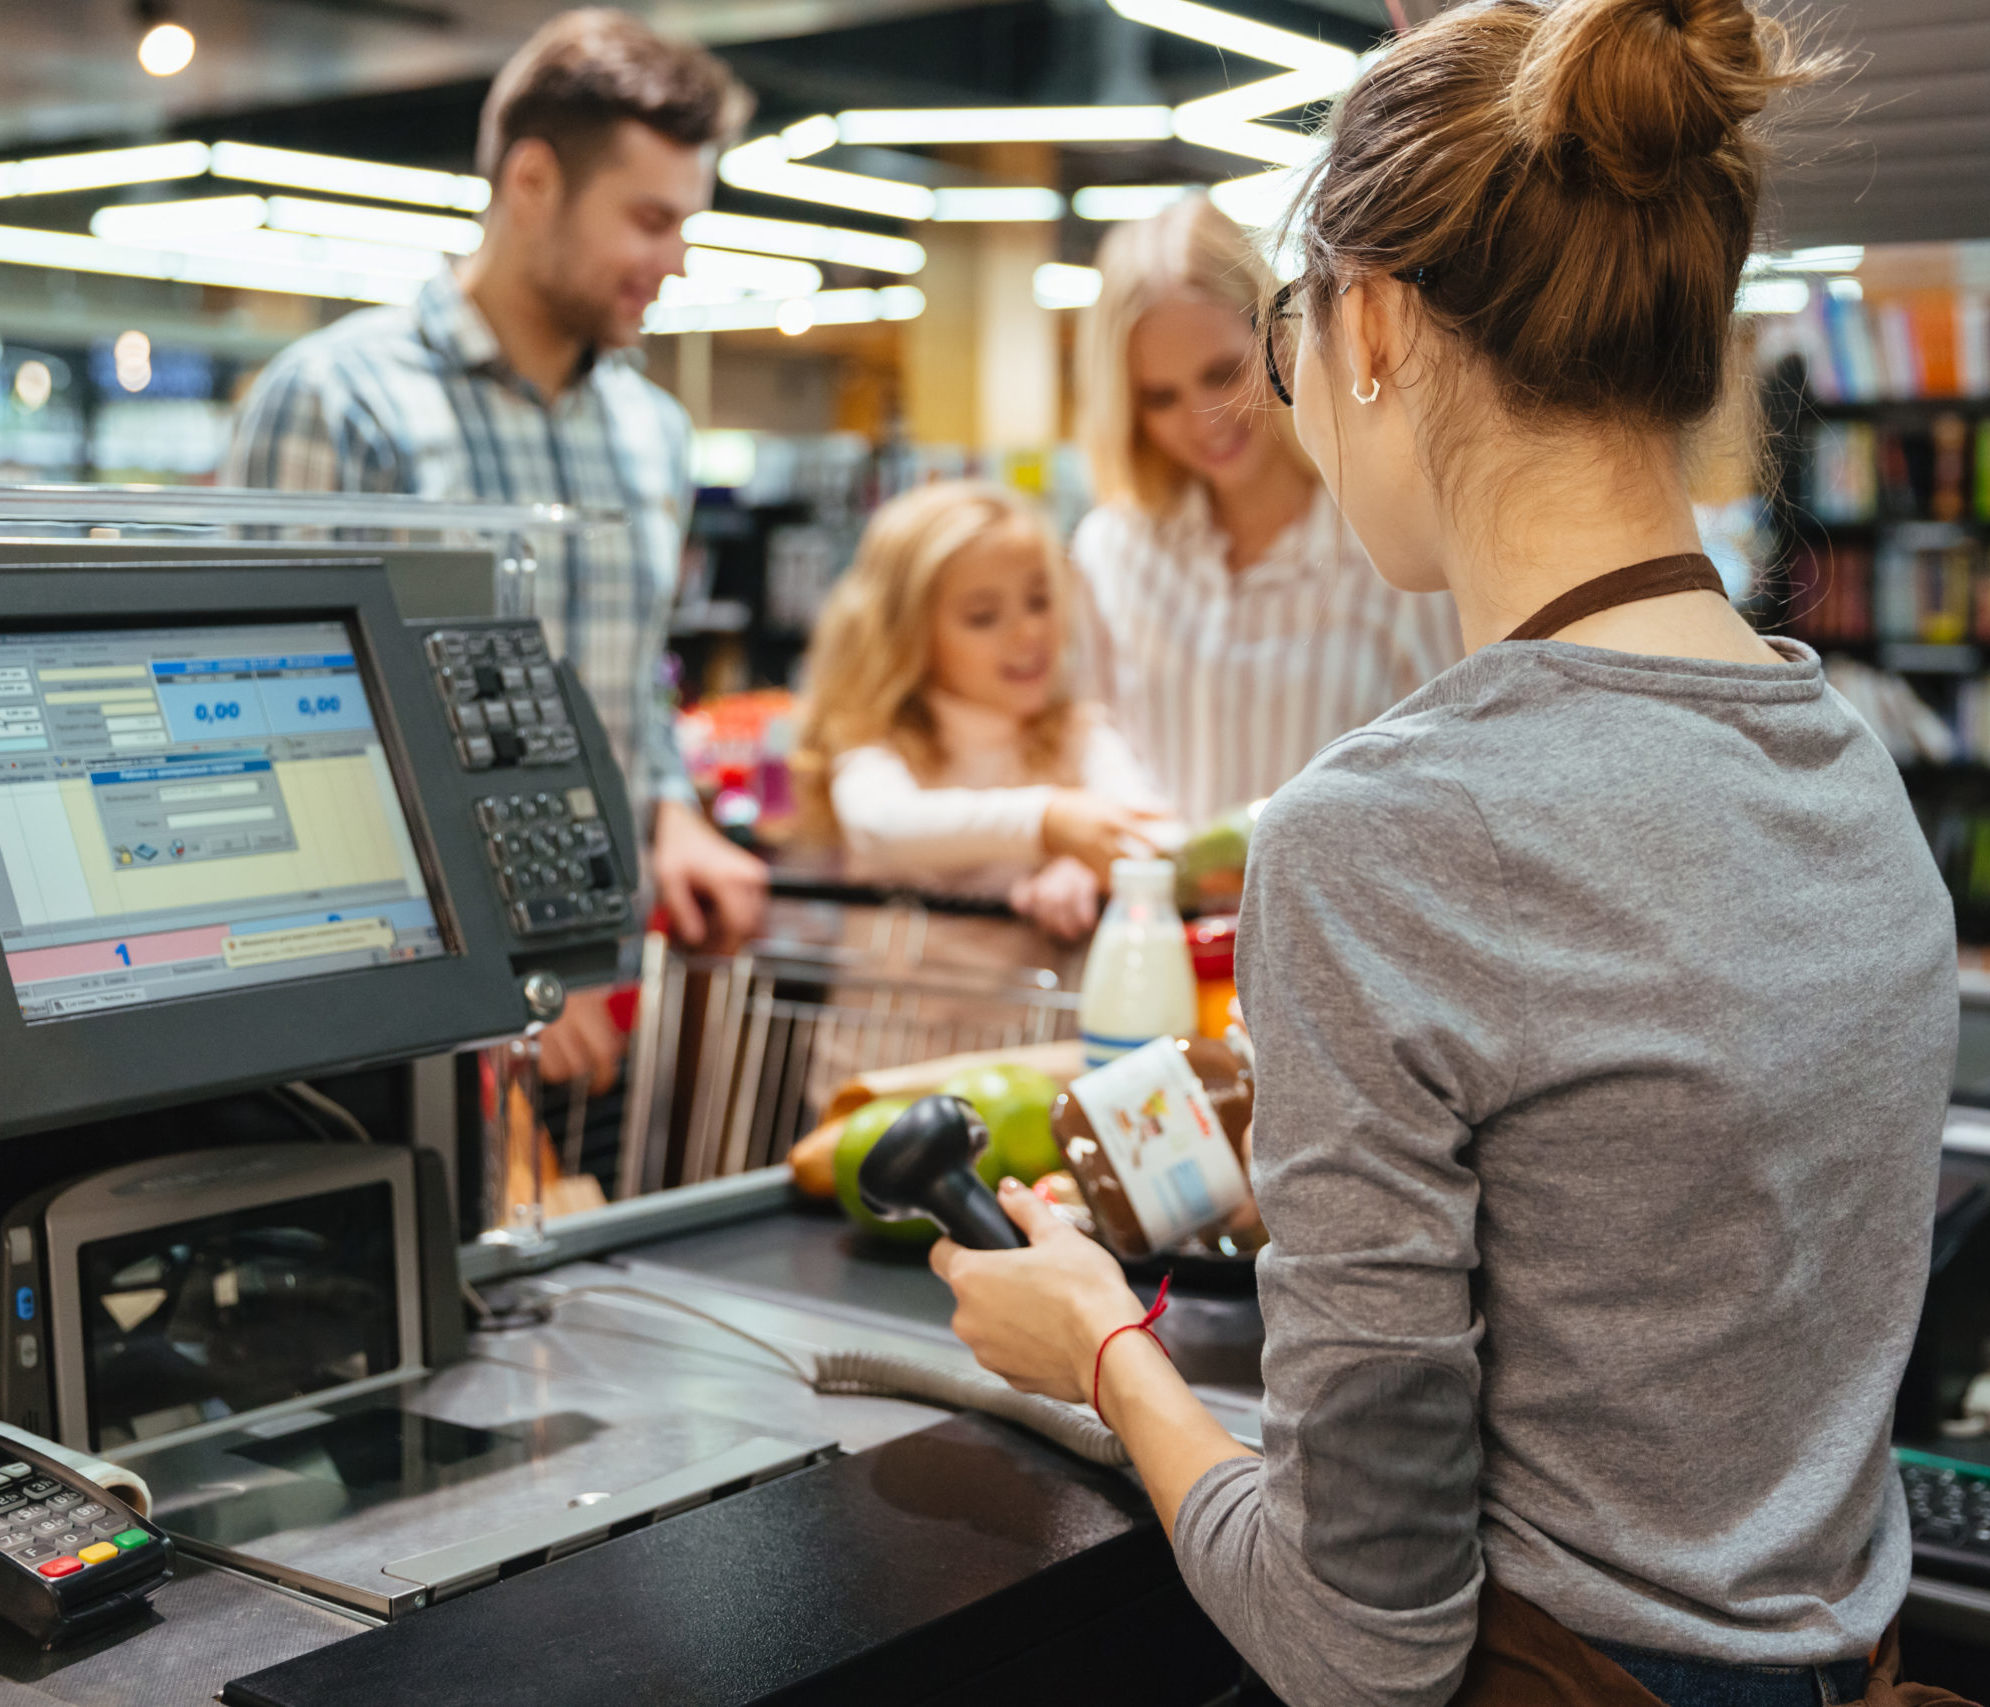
[1155,1141]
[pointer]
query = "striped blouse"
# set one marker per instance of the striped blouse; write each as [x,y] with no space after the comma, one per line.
[1227,684]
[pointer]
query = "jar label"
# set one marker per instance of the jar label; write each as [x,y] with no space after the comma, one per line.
[1159,1130]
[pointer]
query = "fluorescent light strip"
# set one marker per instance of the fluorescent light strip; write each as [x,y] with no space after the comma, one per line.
[1226,30]
[103,169]
[755,275]
[997,204]
[1773,296]
[811,242]
[891,127]
[167,222]
[1055,285]
[69,252]
[1225,121]
[434,232]
[1126,201]
[1261,198]
[823,308]
[763,165]
[255,164]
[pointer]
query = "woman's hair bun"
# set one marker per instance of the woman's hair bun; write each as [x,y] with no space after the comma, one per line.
[1634,91]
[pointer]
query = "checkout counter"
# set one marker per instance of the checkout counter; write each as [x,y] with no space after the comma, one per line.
[260,832]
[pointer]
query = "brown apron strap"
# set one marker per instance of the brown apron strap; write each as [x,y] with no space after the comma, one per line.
[1689,572]
[1525,1658]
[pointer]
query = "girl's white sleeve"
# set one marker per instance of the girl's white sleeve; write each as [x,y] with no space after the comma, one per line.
[1110,768]
[895,828]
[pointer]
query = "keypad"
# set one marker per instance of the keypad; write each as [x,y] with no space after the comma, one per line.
[1948,1513]
[553,860]
[503,696]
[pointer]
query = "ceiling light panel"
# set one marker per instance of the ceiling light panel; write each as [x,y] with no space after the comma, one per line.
[1056,285]
[1227,121]
[823,308]
[810,242]
[151,222]
[764,165]
[103,169]
[70,252]
[1220,29]
[916,126]
[997,204]
[1126,201]
[434,232]
[334,175]
[752,275]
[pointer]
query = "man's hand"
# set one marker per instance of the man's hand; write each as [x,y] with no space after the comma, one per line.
[698,870]
[583,1043]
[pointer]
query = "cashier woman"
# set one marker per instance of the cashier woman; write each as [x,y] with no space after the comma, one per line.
[1603,992]
[506,382]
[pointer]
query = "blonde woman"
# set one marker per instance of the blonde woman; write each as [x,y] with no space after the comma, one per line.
[942,740]
[1235,626]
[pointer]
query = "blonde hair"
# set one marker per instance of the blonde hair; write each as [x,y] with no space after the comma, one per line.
[868,663]
[1191,249]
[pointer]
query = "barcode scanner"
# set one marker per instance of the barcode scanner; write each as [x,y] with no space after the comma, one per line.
[924,1165]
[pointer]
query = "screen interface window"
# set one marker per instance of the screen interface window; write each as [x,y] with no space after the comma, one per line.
[208,1319]
[186,811]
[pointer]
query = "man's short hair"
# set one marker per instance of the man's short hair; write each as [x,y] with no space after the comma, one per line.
[585,71]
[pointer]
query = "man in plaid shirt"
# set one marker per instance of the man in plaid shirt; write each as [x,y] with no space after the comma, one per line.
[506,381]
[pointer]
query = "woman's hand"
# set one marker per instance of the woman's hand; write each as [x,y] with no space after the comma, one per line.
[1063,898]
[1095,830]
[1036,1317]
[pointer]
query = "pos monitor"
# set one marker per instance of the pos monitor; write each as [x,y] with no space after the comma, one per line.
[243,841]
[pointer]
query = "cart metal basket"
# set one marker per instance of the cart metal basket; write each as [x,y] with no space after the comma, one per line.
[733,1058]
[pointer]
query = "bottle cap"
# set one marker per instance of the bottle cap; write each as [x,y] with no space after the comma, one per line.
[1144,877]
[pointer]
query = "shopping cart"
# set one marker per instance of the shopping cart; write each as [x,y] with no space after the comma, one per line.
[734,1058]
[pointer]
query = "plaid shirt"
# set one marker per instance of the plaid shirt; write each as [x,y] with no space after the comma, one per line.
[420,399]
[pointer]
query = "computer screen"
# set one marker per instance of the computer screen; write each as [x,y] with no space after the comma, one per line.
[191,810]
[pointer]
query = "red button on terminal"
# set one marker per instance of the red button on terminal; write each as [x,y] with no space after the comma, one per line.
[61,1567]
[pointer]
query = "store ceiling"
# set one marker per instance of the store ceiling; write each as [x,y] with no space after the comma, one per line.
[1901,152]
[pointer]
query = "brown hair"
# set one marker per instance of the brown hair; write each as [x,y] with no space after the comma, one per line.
[1190,249]
[584,72]
[870,656]
[1571,188]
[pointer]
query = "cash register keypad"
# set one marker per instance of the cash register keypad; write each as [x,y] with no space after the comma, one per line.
[1948,1514]
[503,695]
[554,860]
[56,1531]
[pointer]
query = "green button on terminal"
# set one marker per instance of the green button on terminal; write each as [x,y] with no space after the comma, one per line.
[130,1538]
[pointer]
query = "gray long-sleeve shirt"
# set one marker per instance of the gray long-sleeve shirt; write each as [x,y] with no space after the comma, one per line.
[1605,1009]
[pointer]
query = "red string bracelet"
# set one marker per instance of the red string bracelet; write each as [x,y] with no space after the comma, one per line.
[1144,1326]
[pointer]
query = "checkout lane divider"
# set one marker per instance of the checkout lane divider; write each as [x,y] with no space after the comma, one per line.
[879,1374]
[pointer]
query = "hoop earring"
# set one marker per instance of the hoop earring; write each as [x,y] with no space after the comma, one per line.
[1374,391]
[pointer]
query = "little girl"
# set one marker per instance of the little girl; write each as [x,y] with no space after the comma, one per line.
[941,736]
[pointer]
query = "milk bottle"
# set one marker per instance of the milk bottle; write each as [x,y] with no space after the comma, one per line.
[1139,983]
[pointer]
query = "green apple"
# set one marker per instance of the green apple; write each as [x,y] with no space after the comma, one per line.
[860,1132]
[1014,1102]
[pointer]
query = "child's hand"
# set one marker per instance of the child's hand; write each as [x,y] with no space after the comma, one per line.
[1097,831]
[1063,898]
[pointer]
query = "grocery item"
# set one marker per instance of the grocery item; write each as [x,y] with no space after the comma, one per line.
[1062,1062]
[1155,1140]
[1210,864]
[1138,981]
[812,1160]
[1014,1101]
[1212,951]
[860,1132]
